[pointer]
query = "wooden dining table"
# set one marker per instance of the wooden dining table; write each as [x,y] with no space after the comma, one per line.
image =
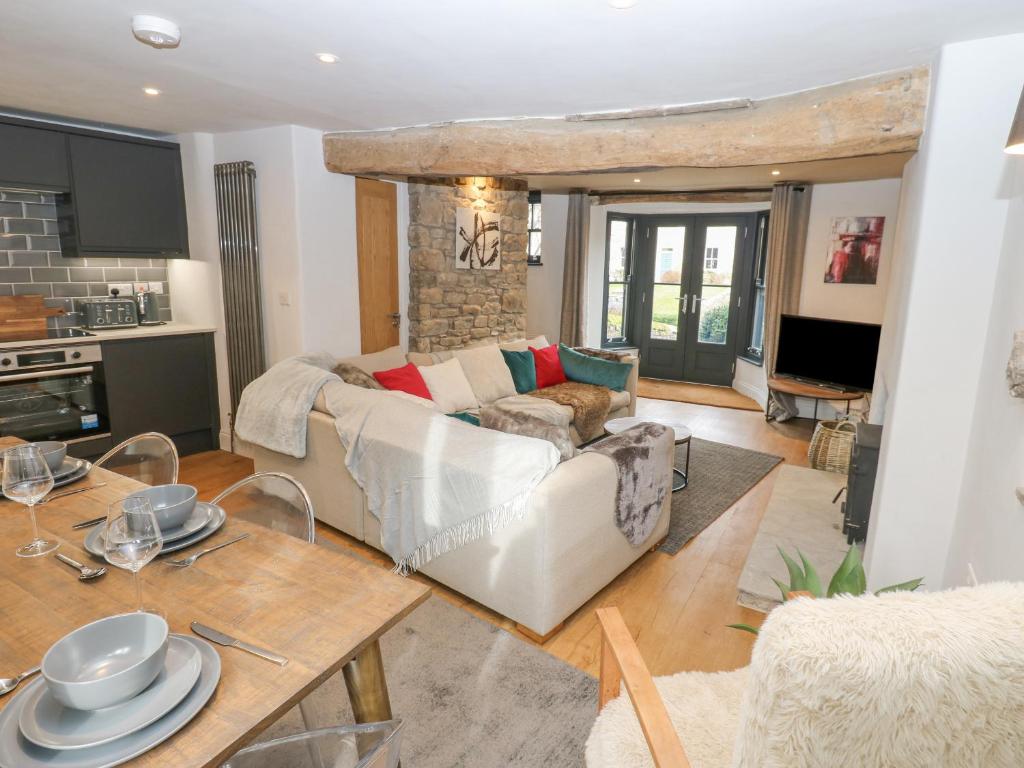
[322,609]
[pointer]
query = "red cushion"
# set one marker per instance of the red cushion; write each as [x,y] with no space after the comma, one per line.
[405,379]
[548,365]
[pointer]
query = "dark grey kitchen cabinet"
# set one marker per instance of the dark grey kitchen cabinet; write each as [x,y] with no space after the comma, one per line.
[33,158]
[127,199]
[163,384]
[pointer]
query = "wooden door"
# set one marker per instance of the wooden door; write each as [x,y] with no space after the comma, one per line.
[377,253]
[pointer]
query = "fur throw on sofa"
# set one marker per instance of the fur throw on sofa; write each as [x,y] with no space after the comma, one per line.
[640,496]
[590,405]
[515,423]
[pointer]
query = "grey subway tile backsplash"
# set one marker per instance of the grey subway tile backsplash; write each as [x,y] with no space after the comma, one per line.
[31,262]
[29,259]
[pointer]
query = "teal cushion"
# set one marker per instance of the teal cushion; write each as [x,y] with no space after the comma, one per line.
[467,417]
[522,368]
[594,370]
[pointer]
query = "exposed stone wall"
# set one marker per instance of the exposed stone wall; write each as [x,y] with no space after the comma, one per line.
[451,308]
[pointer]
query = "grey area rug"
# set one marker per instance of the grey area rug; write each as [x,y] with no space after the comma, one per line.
[471,695]
[719,475]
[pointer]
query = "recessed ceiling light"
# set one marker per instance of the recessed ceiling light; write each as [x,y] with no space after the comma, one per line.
[150,91]
[327,58]
[636,181]
[776,172]
[622,5]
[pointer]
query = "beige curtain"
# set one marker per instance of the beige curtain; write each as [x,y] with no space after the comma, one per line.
[574,277]
[787,238]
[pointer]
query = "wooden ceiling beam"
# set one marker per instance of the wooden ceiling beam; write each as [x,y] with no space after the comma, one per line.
[870,116]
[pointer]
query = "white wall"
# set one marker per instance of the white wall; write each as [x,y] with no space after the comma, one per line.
[951,446]
[860,303]
[306,223]
[544,282]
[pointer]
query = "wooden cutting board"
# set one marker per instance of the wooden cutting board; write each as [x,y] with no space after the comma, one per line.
[23,318]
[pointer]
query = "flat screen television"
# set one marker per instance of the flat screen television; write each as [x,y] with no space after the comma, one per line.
[832,352]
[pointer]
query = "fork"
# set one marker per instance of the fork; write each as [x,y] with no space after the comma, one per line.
[187,561]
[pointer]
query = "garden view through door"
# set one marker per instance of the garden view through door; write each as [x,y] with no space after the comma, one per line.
[686,274]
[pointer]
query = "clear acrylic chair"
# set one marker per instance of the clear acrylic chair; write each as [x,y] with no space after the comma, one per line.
[150,458]
[374,745]
[271,499]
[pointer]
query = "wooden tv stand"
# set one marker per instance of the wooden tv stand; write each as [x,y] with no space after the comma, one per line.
[816,392]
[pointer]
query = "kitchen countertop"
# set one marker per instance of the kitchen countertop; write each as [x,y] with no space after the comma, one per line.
[114,334]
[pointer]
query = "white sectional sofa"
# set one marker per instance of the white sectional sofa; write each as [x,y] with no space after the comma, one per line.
[537,570]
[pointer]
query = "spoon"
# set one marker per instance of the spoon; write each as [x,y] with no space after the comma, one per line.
[8,684]
[84,572]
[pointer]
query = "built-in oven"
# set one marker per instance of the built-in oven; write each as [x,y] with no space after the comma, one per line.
[55,393]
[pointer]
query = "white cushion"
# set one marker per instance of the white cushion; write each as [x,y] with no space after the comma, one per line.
[487,372]
[449,386]
[522,345]
[385,360]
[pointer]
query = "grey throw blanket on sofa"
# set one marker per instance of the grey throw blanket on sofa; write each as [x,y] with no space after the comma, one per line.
[640,497]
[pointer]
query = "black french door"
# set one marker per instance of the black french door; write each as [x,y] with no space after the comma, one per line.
[685,289]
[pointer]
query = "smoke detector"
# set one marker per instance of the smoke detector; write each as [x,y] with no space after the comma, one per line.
[155,31]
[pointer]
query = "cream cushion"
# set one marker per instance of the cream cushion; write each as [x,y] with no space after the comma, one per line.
[449,386]
[521,345]
[487,372]
[385,360]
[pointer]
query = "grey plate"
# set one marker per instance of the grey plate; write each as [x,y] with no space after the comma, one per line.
[70,465]
[199,519]
[94,540]
[48,723]
[80,471]
[18,752]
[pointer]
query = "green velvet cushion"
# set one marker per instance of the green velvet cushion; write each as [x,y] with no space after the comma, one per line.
[467,417]
[523,370]
[593,370]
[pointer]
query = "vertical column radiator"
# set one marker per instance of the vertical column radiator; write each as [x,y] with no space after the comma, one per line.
[240,276]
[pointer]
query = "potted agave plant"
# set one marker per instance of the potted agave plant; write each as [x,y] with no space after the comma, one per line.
[849,579]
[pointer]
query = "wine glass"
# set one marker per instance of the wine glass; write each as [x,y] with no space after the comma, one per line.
[132,538]
[27,479]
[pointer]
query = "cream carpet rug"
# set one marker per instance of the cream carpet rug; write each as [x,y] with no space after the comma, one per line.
[800,515]
[471,696]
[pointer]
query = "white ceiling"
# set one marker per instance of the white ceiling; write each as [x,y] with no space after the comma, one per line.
[249,63]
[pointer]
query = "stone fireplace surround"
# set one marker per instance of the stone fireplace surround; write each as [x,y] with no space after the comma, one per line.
[451,308]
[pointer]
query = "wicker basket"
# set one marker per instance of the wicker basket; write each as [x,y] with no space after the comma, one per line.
[831,446]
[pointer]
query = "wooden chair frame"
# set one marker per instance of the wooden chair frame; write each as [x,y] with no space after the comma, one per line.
[621,662]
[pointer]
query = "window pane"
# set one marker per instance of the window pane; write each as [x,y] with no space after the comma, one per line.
[668,255]
[757,330]
[618,245]
[616,312]
[714,314]
[719,251]
[665,313]
[534,251]
[535,213]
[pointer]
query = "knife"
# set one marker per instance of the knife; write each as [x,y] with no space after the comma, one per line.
[62,494]
[233,642]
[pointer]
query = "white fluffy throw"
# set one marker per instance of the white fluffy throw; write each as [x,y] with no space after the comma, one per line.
[904,680]
[273,409]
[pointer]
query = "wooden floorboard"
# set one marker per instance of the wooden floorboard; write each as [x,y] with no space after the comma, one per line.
[677,607]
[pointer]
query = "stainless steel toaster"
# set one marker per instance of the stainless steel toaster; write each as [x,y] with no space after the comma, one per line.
[112,312]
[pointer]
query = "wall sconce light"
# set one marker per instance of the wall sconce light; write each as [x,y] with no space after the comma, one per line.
[1015,142]
[480,182]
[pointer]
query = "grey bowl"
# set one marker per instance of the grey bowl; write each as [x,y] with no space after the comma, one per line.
[106,662]
[54,452]
[172,504]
